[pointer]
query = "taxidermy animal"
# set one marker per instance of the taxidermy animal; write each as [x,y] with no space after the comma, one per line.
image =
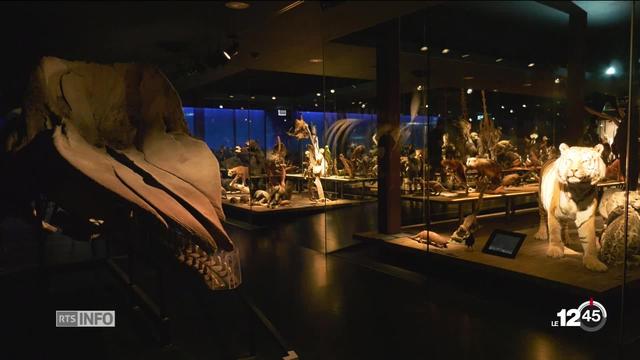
[612,240]
[432,238]
[506,154]
[486,168]
[613,171]
[239,173]
[346,164]
[110,142]
[568,198]
[458,170]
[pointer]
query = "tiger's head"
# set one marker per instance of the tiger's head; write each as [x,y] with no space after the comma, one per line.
[580,165]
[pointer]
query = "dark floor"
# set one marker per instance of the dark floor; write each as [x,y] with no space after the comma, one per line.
[327,303]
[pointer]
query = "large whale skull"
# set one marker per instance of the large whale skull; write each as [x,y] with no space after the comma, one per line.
[98,135]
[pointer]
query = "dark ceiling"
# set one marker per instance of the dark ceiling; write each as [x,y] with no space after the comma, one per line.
[180,37]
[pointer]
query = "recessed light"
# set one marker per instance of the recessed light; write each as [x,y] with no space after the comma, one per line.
[557,81]
[315,60]
[445,51]
[468,77]
[495,90]
[469,90]
[524,105]
[499,59]
[333,91]
[426,106]
[237,5]
[464,56]
[353,103]
[221,107]
[253,97]
[318,94]
[531,65]
[231,96]
[526,84]
[501,106]
[424,48]
[610,71]
[511,111]
[316,105]
[419,88]
[273,98]
[363,106]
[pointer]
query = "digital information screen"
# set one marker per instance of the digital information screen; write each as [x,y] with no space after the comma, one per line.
[504,243]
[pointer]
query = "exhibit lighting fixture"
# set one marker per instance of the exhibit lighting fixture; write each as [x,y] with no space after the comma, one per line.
[316,105]
[468,78]
[290,7]
[273,98]
[237,5]
[531,65]
[231,51]
[315,60]
[469,90]
[253,97]
[464,56]
[524,105]
[557,81]
[231,96]
[318,94]
[333,91]
[501,106]
[445,51]
[419,88]
[426,106]
[499,59]
[364,106]
[511,111]
[424,48]
[610,71]
[221,107]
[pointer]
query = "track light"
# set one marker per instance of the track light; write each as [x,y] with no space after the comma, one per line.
[232,50]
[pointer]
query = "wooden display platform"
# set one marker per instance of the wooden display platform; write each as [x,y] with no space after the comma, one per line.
[530,263]
[510,194]
[338,181]
[300,203]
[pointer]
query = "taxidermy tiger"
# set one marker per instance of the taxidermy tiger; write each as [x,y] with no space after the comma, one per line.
[568,200]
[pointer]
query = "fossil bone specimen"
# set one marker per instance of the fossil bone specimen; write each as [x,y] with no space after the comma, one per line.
[99,140]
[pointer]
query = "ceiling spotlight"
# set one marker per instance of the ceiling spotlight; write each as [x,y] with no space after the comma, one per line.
[333,91]
[316,105]
[221,107]
[237,5]
[426,106]
[419,88]
[424,48]
[501,106]
[524,105]
[531,65]
[273,98]
[499,59]
[469,90]
[610,71]
[511,111]
[354,86]
[253,97]
[231,96]
[526,84]
[363,106]
[315,60]
[318,94]
[495,90]
[231,51]
[464,56]
[557,80]
[468,78]
[353,103]
[445,51]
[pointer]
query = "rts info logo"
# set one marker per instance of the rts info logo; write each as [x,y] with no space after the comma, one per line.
[590,316]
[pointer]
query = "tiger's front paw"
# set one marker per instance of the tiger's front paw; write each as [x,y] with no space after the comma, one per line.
[541,234]
[592,263]
[555,251]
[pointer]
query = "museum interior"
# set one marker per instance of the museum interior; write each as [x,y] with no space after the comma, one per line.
[320,180]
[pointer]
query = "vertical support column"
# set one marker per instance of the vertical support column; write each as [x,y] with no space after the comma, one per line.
[633,109]
[198,122]
[388,102]
[575,76]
